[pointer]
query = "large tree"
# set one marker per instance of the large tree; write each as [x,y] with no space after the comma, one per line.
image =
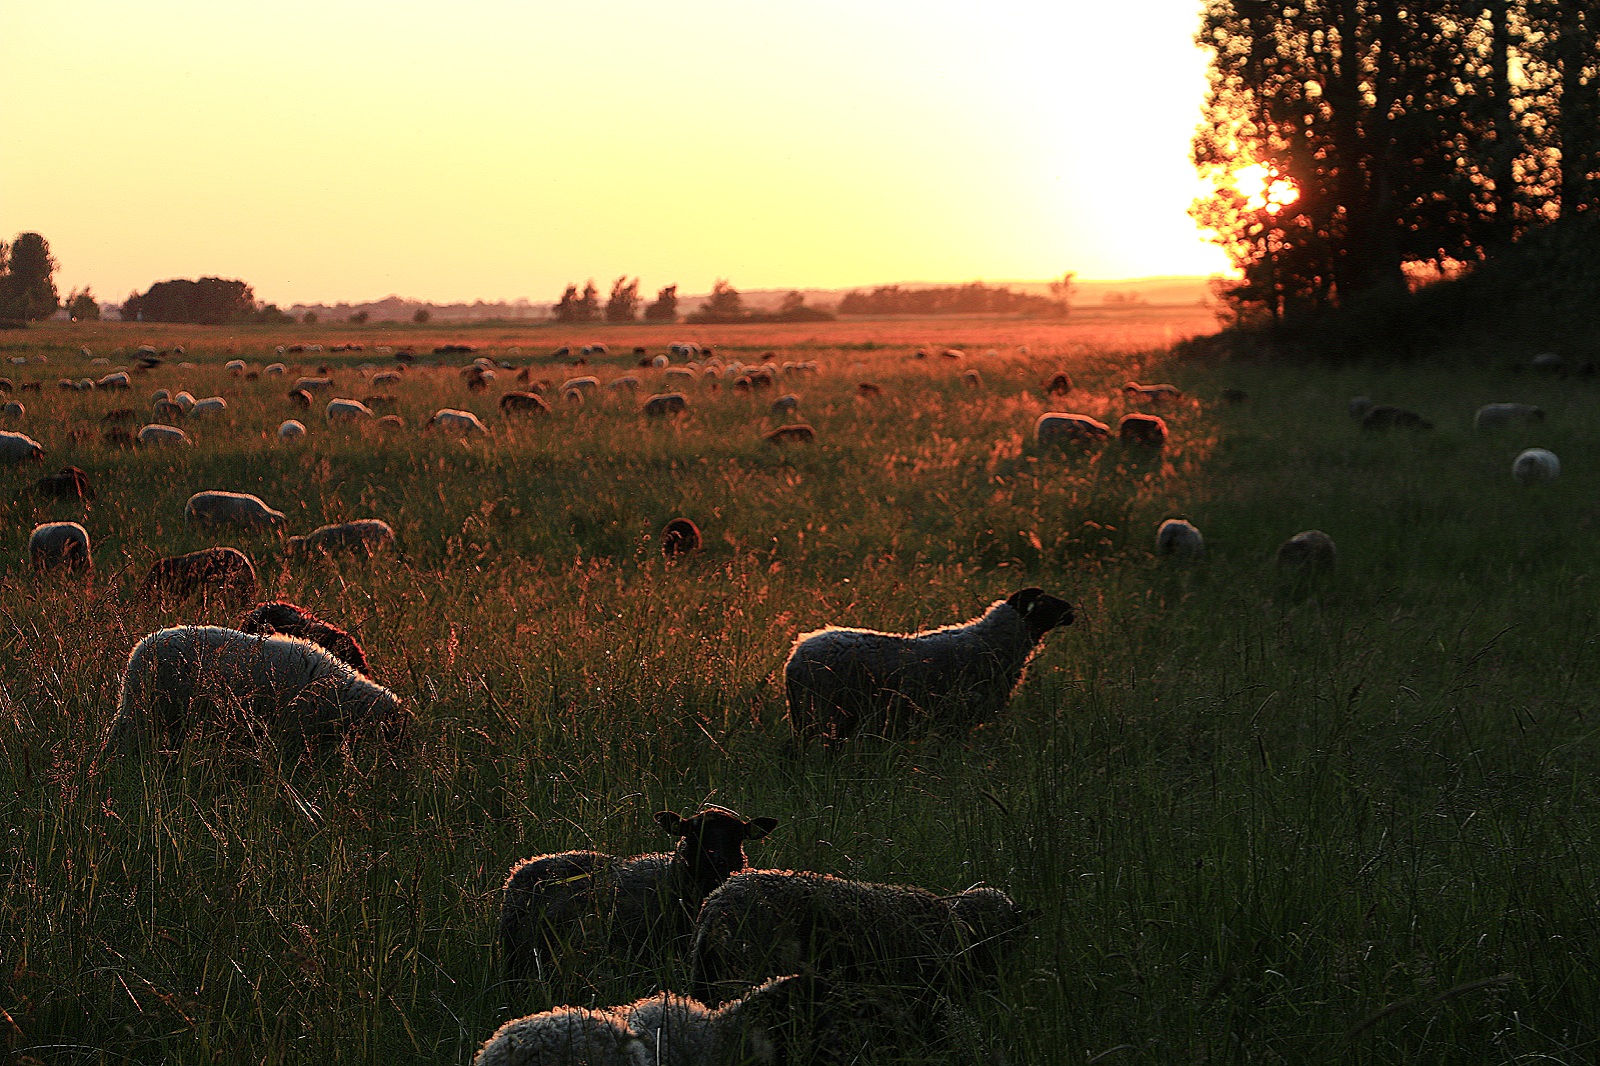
[575,308]
[623,306]
[206,302]
[27,278]
[665,307]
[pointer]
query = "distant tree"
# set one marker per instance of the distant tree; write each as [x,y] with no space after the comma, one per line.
[265,315]
[794,309]
[309,318]
[972,298]
[206,302]
[1061,290]
[793,301]
[624,303]
[665,309]
[82,306]
[27,283]
[360,318]
[575,308]
[725,301]
[422,316]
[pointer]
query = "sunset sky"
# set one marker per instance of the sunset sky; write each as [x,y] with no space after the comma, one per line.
[495,149]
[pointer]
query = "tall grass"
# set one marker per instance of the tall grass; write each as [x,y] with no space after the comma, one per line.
[1341,821]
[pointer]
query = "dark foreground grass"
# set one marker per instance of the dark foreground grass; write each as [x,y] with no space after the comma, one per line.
[1339,821]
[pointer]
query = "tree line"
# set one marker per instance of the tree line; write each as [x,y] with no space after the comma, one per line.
[724,304]
[1357,145]
[972,298]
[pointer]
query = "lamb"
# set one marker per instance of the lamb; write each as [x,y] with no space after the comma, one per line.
[1496,415]
[70,484]
[461,421]
[666,403]
[839,681]
[19,448]
[647,900]
[680,537]
[365,536]
[345,410]
[1056,427]
[1307,553]
[248,682]
[281,616]
[291,429]
[798,433]
[215,507]
[1144,431]
[1535,465]
[1385,416]
[60,545]
[762,922]
[523,403]
[1181,539]
[156,433]
[227,572]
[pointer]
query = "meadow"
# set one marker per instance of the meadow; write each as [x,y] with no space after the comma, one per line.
[1263,820]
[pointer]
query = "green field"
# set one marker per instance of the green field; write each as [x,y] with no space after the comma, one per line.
[1343,820]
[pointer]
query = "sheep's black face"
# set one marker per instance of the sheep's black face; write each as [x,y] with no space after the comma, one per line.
[712,842]
[277,616]
[1042,611]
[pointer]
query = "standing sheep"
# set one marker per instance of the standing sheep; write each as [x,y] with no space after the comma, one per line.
[19,448]
[248,683]
[1535,465]
[281,616]
[798,433]
[841,680]
[365,536]
[1058,427]
[1144,431]
[60,546]
[647,900]
[460,421]
[680,536]
[1307,553]
[523,403]
[666,403]
[1179,538]
[227,572]
[1496,415]
[157,434]
[215,507]
[291,429]
[345,410]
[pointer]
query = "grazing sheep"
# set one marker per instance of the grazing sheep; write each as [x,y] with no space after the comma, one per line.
[1307,553]
[1181,539]
[573,397]
[381,402]
[248,683]
[839,681]
[155,433]
[70,484]
[666,403]
[460,421]
[785,405]
[583,384]
[387,377]
[301,398]
[60,545]
[626,381]
[292,429]
[1535,465]
[391,422]
[953,353]
[566,1036]
[647,900]
[1495,415]
[1152,393]
[1385,416]
[799,433]
[523,403]
[346,410]
[13,410]
[309,384]
[1058,385]
[227,572]
[234,366]
[680,374]
[762,922]
[365,536]
[972,378]
[216,507]
[117,380]
[680,537]
[1549,362]
[274,368]
[1144,431]
[185,400]
[19,448]
[167,411]
[281,616]
[1058,427]
[211,405]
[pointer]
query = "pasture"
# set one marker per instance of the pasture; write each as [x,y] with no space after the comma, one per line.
[1347,819]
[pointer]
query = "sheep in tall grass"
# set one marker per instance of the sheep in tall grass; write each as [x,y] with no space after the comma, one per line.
[587,383]
[178,678]
[457,421]
[680,536]
[1059,427]
[69,484]
[1308,552]
[647,901]
[291,620]
[19,448]
[1142,431]
[60,546]
[785,405]
[523,403]
[225,572]
[797,433]
[1180,539]
[291,429]
[1535,465]
[364,536]
[341,409]
[116,380]
[220,508]
[156,434]
[1162,393]
[210,405]
[1497,415]
[764,922]
[13,411]
[1060,384]
[666,403]
[311,384]
[841,681]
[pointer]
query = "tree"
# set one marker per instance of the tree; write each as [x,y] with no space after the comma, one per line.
[360,318]
[624,303]
[575,308]
[27,282]
[309,318]
[206,302]
[422,316]
[82,306]
[724,301]
[665,308]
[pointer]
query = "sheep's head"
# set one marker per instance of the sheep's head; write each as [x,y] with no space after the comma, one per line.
[1042,611]
[993,919]
[711,843]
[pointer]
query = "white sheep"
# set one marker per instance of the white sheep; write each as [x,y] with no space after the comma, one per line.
[364,536]
[60,545]
[215,507]
[310,384]
[680,374]
[626,381]
[1057,427]
[117,380]
[211,405]
[1496,415]
[583,384]
[19,448]
[461,421]
[291,429]
[275,368]
[1535,465]
[254,681]
[156,433]
[666,403]
[185,400]
[234,367]
[659,362]
[387,377]
[1179,538]
[841,680]
[565,1036]
[342,410]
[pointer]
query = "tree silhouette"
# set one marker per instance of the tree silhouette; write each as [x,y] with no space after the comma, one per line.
[623,306]
[575,308]
[206,302]
[27,282]
[665,307]
[82,306]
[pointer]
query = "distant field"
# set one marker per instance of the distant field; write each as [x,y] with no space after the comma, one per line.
[1340,821]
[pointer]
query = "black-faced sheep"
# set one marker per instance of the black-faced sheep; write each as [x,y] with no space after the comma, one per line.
[840,681]
[680,536]
[364,537]
[226,572]
[645,901]
[1143,431]
[244,684]
[281,616]
[60,546]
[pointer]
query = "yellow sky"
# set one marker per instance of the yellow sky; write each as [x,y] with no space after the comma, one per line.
[347,149]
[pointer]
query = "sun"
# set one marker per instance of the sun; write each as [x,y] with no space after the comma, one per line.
[1264,187]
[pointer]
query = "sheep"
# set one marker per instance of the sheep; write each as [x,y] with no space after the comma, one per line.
[461,421]
[523,403]
[953,353]
[155,433]
[1144,431]
[798,433]
[185,400]
[1535,465]
[345,410]
[764,922]
[70,484]
[117,380]
[365,536]
[626,381]
[234,367]
[1060,384]
[1384,416]
[301,398]
[666,403]
[119,416]
[391,422]
[785,405]
[566,1036]
[166,411]
[972,379]
[583,384]
[1152,393]
[680,537]
[1495,415]
[60,545]
[647,900]
[839,681]
[256,681]
[216,507]
[19,448]
[281,616]
[573,396]
[227,572]
[387,377]
[1181,539]
[274,368]
[1059,427]
[1309,552]
[310,384]
[291,429]
[13,411]
[211,405]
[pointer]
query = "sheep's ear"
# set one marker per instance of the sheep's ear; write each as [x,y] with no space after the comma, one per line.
[1024,599]
[672,823]
[756,828]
